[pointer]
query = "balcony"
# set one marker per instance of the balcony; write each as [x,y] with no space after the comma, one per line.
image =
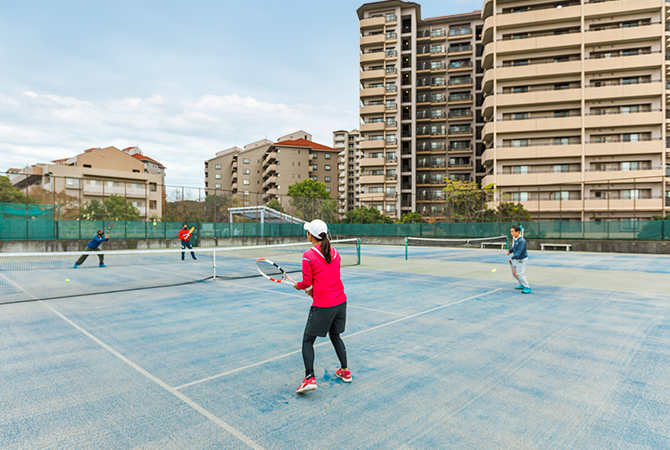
[272,168]
[623,91]
[96,190]
[372,92]
[618,35]
[268,158]
[368,162]
[539,17]
[372,144]
[540,178]
[372,22]
[371,179]
[532,152]
[233,166]
[373,39]
[623,120]
[649,204]
[623,148]
[371,74]
[269,182]
[466,50]
[539,97]
[372,57]
[372,109]
[375,126]
[620,63]
[653,175]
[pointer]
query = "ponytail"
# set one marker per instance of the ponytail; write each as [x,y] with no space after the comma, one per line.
[325,247]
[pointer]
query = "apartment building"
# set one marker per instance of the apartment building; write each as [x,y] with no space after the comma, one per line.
[419,106]
[264,169]
[348,166]
[575,105]
[98,173]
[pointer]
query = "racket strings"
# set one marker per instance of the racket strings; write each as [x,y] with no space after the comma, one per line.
[270,270]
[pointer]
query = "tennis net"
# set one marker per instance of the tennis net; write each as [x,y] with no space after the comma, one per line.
[43,276]
[495,242]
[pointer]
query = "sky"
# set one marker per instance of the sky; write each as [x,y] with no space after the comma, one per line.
[181,80]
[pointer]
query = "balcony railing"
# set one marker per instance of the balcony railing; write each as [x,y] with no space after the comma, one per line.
[459,82]
[465,48]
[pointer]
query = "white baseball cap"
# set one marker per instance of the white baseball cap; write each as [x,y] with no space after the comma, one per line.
[316,227]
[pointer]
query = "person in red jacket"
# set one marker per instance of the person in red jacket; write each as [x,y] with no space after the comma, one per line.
[328,314]
[185,236]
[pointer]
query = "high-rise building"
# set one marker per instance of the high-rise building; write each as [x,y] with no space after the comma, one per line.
[575,104]
[348,166]
[420,80]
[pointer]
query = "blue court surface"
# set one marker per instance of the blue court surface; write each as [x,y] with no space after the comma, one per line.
[453,358]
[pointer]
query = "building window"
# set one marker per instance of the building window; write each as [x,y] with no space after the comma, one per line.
[327,179]
[327,189]
[327,167]
[245,182]
[245,171]
[314,178]
[315,155]
[73,182]
[152,187]
[217,166]
[245,160]
[327,156]
[217,186]
[314,166]
[153,204]
[246,192]
[217,176]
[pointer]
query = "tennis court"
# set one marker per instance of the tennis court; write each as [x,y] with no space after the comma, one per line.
[444,354]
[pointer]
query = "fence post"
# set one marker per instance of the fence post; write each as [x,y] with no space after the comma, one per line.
[406,239]
[359,251]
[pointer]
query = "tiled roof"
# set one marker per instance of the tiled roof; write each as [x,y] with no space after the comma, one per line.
[91,149]
[146,158]
[304,143]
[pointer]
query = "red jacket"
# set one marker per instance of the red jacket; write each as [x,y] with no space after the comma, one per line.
[328,287]
[184,235]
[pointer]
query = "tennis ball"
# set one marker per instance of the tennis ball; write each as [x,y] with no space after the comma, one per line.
[67,281]
[154,223]
[494,270]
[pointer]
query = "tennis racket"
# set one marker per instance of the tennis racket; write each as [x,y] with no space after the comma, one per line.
[110,226]
[273,272]
[513,269]
[190,232]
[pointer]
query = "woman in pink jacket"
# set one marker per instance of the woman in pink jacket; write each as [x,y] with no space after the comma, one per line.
[328,314]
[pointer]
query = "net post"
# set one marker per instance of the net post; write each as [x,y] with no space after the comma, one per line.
[406,243]
[358,248]
[214,264]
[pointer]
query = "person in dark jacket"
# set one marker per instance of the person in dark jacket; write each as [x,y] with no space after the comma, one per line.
[519,259]
[94,246]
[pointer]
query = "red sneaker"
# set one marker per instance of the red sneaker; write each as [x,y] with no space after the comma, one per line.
[308,384]
[344,375]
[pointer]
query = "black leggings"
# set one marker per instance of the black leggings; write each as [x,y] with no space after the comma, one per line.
[308,351]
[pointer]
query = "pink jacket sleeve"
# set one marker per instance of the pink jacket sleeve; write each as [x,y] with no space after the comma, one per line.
[306,273]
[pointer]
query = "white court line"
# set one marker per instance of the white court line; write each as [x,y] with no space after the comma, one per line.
[213,377]
[302,297]
[156,380]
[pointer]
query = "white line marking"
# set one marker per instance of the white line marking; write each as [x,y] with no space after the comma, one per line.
[223,374]
[161,383]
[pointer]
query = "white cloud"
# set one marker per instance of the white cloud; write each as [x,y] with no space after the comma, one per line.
[182,135]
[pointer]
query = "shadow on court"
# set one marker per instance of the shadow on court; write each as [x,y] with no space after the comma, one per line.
[438,361]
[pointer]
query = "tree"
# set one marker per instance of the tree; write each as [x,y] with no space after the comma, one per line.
[11,194]
[413,217]
[216,207]
[311,201]
[118,208]
[274,204]
[513,212]
[466,201]
[363,214]
[114,208]
[93,210]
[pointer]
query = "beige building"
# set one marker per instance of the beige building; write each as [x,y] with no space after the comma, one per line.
[575,104]
[96,174]
[347,143]
[264,169]
[419,100]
